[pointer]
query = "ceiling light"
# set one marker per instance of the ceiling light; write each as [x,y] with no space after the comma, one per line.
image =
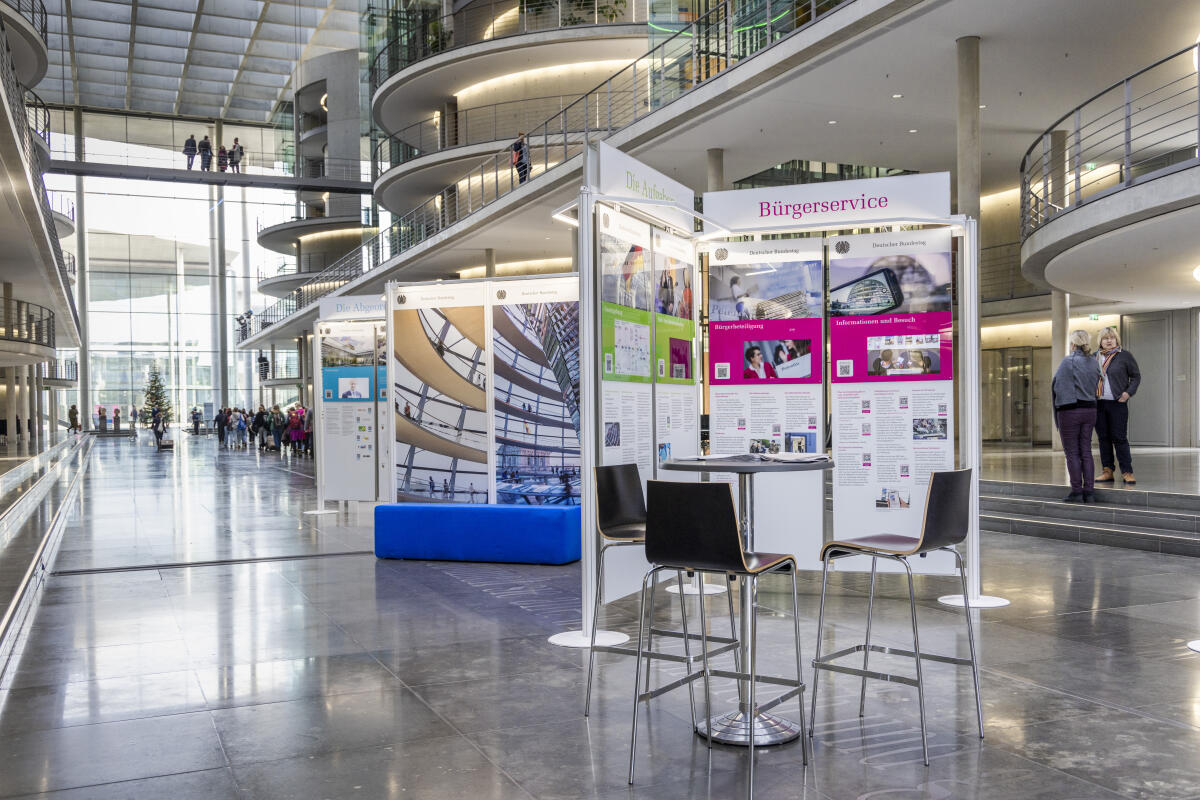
[1196,273]
[833,122]
[983,105]
[897,96]
[912,130]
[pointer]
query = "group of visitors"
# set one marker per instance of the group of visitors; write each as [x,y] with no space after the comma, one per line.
[273,430]
[228,158]
[1091,392]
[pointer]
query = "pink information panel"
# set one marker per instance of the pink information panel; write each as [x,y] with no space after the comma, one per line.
[892,347]
[768,351]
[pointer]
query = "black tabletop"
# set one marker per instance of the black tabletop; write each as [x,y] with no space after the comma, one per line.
[746,463]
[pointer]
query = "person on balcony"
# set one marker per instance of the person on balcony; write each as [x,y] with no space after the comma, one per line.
[222,159]
[520,157]
[189,149]
[206,153]
[1074,393]
[1119,382]
[235,156]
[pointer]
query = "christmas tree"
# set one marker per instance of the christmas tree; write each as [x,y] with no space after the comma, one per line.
[156,398]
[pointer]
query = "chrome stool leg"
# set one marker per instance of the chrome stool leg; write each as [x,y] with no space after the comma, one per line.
[733,628]
[637,679]
[587,703]
[687,647]
[862,692]
[962,573]
[704,659]
[812,719]
[752,702]
[912,602]
[799,668]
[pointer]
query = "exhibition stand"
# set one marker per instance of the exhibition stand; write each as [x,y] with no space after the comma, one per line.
[350,399]
[510,391]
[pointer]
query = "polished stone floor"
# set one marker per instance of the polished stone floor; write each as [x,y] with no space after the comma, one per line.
[1157,469]
[320,673]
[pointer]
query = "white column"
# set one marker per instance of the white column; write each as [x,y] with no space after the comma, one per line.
[10,398]
[29,407]
[39,404]
[81,283]
[489,262]
[969,163]
[716,169]
[1060,322]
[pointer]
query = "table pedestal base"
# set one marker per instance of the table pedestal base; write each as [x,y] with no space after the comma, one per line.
[731,728]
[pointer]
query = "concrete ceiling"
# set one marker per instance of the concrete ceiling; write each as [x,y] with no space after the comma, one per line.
[1038,60]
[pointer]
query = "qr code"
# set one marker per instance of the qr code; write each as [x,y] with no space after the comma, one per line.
[608,363]
[942,408]
[662,368]
[903,401]
[845,368]
[776,430]
[721,371]
[904,469]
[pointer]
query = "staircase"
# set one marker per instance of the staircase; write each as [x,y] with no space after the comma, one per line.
[1157,522]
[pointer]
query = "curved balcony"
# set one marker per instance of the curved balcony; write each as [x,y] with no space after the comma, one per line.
[26,23]
[61,374]
[69,267]
[1111,191]
[700,52]
[26,332]
[427,155]
[433,57]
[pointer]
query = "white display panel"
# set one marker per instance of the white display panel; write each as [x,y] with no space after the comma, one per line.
[891,347]
[348,434]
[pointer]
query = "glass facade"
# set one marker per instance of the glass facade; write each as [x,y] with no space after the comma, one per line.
[154,273]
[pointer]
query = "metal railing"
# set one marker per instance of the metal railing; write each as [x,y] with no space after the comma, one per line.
[14,92]
[69,265]
[61,202]
[421,33]
[479,125]
[38,116]
[288,267]
[702,50]
[1000,275]
[1138,129]
[60,371]
[27,323]
[34,11]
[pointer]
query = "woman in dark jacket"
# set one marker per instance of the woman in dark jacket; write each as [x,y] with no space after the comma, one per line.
[1120,378]
[1074,388]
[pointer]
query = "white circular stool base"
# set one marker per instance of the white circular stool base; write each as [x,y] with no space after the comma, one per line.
[577,639]
[983,601]
[322,511]
[731,728]
[1194,645]
[690,588]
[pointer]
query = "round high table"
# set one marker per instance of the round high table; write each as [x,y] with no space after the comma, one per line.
[731,727]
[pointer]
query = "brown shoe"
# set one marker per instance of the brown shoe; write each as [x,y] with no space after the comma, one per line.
[1128,476]
[1106,476]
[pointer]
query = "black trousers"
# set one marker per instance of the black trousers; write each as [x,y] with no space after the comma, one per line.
[1112,428]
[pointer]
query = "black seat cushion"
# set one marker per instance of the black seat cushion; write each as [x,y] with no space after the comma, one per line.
[633,532]
[761,562]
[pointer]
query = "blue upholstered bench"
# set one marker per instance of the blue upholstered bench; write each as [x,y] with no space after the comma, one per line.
[499,533]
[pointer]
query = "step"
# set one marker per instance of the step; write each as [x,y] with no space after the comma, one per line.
[1096,514]
[1152,540]
[1133,498]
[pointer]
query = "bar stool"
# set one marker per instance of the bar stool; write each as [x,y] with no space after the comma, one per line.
[621,520]
[694,527]
[947,511]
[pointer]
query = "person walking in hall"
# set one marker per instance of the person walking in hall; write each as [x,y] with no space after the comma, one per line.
[278,424]
[308,434]
[222,159]
[133,414]
[219,423]
[204,149]
[195,421]
[189,149]
[1074,389]
[262,426]
[294,430]
[73,420]
[1120,379]
[520,157]
[235,156]
[445,489]
[159,426]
